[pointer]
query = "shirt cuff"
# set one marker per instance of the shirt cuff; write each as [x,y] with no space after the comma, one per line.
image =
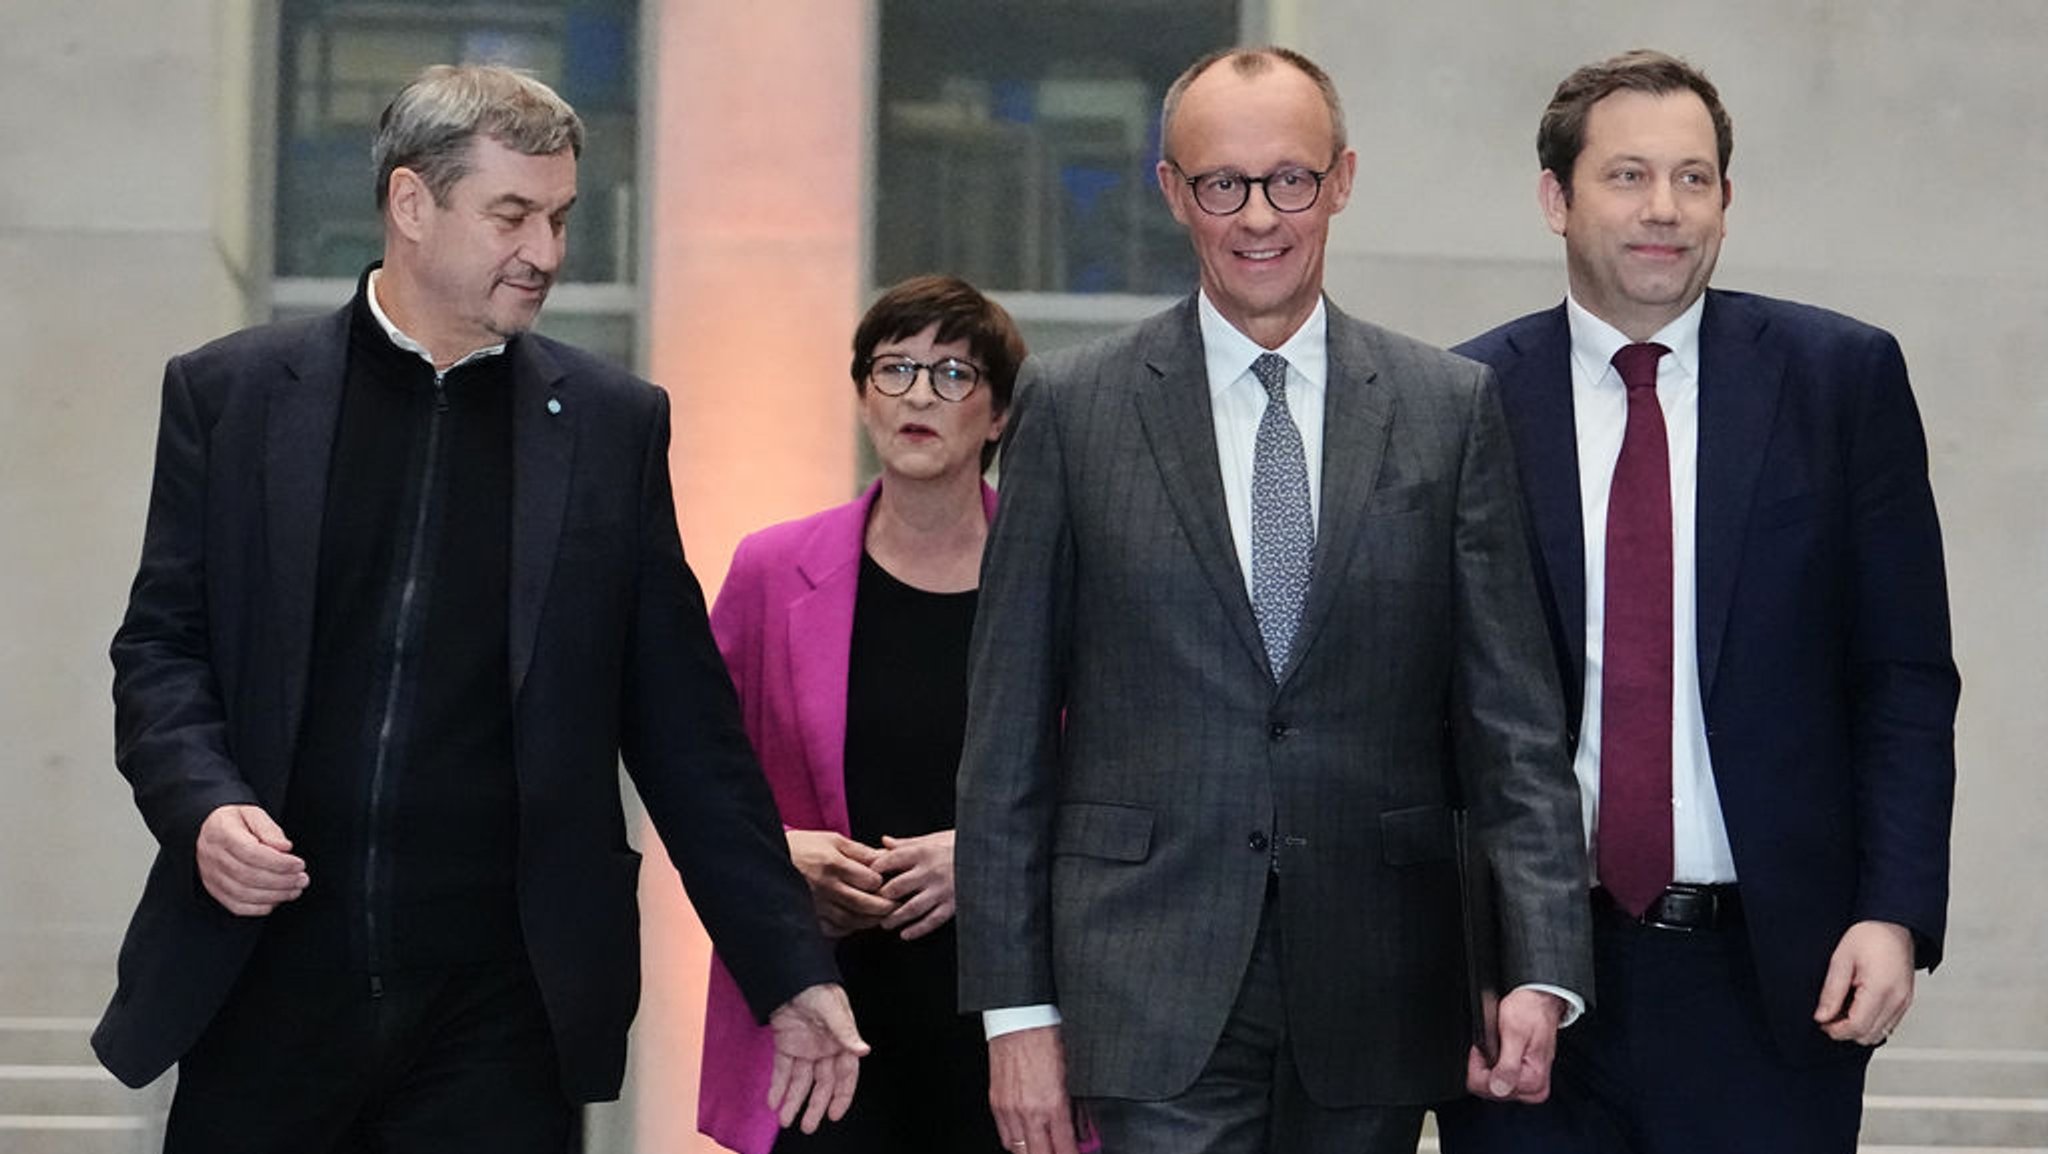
[1574,1005]
[1010,1019]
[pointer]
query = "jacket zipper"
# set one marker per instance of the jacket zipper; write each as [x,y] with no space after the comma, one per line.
[409,604]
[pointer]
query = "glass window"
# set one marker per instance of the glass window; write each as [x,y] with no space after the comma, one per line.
[1017,140]
[340,63]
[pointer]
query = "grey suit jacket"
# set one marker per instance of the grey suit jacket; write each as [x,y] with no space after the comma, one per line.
[1131,759]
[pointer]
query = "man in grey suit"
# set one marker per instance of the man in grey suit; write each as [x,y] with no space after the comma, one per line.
[1256,615]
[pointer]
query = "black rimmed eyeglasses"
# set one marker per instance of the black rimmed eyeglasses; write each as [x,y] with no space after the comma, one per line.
[1226,191]
[952,378]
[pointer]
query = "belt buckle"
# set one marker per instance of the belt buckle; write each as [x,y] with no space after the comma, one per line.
[1687,909]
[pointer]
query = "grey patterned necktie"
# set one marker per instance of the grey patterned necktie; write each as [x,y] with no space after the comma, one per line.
[1283,529]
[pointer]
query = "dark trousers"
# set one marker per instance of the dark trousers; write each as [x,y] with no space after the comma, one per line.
[1674,1058]
[444,1061]
[1249,1099]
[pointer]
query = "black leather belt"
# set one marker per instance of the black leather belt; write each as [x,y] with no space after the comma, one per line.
[1684,906]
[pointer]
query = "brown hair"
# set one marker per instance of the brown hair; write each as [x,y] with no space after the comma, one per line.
[1562,133]
[962,314]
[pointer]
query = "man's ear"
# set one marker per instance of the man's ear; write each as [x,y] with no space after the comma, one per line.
[408,199]
[1554,199]
[1171,184]
[1341,175]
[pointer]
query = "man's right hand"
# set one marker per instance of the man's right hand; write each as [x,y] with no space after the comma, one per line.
[843,884]
[1027,1090]
[246,863]
[817,1058]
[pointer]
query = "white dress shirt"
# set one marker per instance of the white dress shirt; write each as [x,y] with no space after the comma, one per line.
[1699,836]
[399,338]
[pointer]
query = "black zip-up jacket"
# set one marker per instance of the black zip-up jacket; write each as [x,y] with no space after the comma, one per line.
[609,658]
[403,801]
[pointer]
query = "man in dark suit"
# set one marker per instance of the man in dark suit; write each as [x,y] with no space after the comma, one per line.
[1742,574]
[1255,615]
[411,585]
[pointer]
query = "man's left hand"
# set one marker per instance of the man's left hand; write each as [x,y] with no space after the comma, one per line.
[1869,984]
[817,1057]
[1528,1042]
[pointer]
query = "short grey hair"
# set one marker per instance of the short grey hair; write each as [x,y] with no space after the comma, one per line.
[429,125]
[1250,62]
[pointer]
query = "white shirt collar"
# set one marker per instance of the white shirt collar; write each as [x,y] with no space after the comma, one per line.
[1594,341]
[412,346]
[1229,353]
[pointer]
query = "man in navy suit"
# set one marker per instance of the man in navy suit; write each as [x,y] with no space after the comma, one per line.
[1763,657]
[411,588]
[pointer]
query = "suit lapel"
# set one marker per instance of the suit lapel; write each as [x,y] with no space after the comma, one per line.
[1740,379]
[298,445]
[821,646]
[1173,406]
[1358,416]
[544,415]
[1536,395]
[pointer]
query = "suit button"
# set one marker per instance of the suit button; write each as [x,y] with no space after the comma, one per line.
[1278,731]
[1257,841]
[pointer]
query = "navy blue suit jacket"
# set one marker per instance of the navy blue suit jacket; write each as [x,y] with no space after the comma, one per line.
[1824,659]
[611,656]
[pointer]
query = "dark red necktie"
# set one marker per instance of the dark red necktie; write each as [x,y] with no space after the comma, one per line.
[1634,824]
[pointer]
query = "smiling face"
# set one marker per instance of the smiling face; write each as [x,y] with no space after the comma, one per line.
[1262,269]
[919,437]
[476,269]
[1646,212]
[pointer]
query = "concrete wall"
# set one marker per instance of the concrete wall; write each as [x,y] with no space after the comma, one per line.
[1889,162]
[110,260]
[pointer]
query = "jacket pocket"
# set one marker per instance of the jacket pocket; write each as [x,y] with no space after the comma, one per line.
[1096,829]
[1400,499]
[1417,834]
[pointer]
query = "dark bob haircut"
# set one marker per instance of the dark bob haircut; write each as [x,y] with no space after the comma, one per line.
[962,314]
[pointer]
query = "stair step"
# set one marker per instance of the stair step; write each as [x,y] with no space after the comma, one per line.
[1959,1120]
[1949,1098]
[52,1040]
[1920,1071]
[77,1135]
[81,1091]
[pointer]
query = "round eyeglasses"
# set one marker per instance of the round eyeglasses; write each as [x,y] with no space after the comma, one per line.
[952,379]
[1226,191]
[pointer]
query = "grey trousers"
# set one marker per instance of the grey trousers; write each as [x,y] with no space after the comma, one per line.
[1249,1099]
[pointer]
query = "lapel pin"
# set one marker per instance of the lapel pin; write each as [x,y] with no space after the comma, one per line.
[554,405]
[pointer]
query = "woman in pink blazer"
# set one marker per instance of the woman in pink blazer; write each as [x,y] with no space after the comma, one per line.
[846,633]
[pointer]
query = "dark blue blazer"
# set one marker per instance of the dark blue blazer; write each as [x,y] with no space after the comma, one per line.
[611,657]
[1824,657]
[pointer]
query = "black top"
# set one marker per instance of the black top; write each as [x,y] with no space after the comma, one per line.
[925,1087]
[906,705]
[402,798]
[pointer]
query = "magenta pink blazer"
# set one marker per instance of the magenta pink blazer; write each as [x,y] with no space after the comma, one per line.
[784,621]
